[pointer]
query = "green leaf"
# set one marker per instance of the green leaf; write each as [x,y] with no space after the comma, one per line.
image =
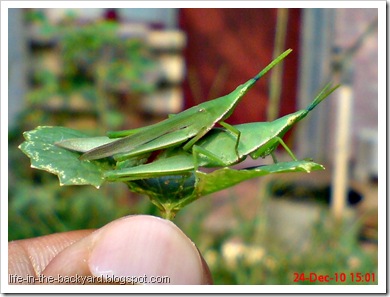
[165,192]
[45,155]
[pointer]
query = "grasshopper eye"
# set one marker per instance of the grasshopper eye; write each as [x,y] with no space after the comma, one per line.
[291,121]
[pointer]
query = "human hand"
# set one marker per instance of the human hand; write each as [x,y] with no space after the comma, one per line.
[135,248]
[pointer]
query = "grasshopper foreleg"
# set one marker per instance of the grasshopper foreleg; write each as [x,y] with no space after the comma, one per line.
[286,148]
[198,136]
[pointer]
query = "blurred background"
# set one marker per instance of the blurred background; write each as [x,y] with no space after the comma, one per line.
[108,69]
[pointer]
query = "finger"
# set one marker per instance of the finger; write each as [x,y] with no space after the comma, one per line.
[29,257]
[142,248]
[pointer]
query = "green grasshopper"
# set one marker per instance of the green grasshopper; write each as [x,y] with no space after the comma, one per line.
[217,148]
[191,124]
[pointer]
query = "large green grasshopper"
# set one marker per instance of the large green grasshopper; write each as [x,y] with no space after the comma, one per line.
[218,147]
[169,193]
[191,124]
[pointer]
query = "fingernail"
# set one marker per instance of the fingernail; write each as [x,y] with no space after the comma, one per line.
[146,249]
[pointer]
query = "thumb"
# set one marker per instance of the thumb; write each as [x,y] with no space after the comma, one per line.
[141,249]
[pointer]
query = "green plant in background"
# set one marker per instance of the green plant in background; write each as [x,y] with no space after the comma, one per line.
[173,180]
[78,71]
[102,55]
[94,64]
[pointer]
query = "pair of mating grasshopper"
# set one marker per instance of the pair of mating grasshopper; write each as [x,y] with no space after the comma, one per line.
[205,145]
[189,140]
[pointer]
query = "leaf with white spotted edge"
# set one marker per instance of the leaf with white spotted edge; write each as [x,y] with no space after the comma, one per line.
[45,155]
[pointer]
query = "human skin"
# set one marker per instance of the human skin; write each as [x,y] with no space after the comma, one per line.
[133,246]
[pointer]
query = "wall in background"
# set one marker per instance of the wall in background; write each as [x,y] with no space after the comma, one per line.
[227,47]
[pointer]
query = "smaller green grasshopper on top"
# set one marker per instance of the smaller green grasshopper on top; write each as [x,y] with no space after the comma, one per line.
[217,148]
[191,124]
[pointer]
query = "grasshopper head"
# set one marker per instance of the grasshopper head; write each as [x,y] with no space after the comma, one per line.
[283,124]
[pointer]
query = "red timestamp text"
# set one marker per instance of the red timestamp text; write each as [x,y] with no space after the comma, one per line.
[351,277]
